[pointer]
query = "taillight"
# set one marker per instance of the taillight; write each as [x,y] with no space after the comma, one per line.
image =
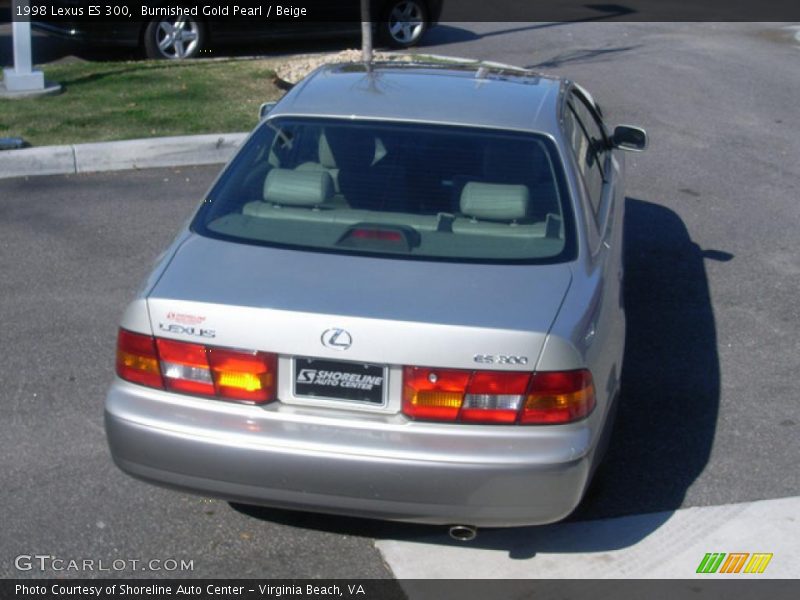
[494,397]
[501,397]
[558,397]
[185,367]
[244,375]
[434,394]
[197,369]
[137,360]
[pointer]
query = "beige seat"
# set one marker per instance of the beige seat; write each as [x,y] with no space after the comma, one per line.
[291,194]
[497,209]
[287,187]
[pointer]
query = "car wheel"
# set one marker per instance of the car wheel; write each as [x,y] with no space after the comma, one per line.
[174,38]
[403,23]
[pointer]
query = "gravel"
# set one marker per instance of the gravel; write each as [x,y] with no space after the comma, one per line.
[296,68]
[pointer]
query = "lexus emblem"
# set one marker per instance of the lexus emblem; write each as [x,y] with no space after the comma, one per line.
[336,338]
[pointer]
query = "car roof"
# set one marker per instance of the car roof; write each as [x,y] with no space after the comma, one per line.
[475,94]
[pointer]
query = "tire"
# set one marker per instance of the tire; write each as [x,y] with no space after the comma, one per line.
[174,38]
[403,23]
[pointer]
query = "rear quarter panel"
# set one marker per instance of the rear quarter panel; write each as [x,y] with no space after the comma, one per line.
[589,330]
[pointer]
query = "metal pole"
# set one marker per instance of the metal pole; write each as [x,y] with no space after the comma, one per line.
[21,30]
[22,80]
[366,32]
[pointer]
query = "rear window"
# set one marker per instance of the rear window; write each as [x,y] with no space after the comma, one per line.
[394,189]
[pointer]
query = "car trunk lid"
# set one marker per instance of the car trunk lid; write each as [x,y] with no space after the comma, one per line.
[394,311]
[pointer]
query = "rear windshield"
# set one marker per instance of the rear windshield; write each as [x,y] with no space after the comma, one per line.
[394,189]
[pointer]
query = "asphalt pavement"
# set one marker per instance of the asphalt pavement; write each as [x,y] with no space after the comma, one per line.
[709,416]
[74,250]
[709,413]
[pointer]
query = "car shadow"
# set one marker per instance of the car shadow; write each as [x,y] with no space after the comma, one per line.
[671,379]
[666,418]
[446,32]
[582,55]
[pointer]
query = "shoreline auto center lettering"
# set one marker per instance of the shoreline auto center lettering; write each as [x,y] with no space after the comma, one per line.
[339,379]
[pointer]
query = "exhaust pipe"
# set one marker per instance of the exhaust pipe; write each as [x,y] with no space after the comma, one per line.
[463,533]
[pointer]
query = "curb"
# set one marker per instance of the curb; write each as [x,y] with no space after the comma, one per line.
[665,545]
[146,153]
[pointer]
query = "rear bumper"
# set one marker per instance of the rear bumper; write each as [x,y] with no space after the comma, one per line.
[361,465]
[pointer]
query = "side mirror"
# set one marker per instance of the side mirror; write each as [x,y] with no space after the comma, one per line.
[264,109]
[629,138]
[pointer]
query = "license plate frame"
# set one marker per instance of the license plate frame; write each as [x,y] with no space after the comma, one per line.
[314,379]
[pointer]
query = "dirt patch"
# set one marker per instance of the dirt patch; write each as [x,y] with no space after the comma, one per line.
[295,69]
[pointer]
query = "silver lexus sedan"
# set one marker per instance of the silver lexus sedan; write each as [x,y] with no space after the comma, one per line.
[401,300]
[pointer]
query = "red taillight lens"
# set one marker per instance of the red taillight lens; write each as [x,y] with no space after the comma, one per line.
[455,395]
[197,369]
[494,397]
[500,397]
[244,375]
[185,367]
[137,360]
[434,394]
[558,397]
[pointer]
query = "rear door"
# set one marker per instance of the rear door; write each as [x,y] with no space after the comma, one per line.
[600,175]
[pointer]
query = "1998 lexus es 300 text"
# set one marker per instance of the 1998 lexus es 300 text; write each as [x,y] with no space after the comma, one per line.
[401,299]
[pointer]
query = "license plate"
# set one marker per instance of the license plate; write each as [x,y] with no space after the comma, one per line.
[338,380]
